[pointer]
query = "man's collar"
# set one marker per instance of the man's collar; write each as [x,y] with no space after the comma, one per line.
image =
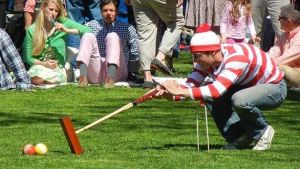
[108,25]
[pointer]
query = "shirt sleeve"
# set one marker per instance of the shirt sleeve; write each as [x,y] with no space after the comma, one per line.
[232,70]
[68,23]
[133,44]
[29,6]
[194,80]
[196,77]
[27,46]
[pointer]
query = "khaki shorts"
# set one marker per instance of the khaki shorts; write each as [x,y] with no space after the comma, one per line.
[292,75]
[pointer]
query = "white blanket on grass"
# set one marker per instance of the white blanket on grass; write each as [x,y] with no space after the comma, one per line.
[128,84]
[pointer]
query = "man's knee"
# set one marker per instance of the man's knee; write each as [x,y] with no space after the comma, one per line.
[238,102]
[88,35]
[113,36]
[88,40]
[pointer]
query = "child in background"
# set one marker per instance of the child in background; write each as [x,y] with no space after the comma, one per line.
[236,18]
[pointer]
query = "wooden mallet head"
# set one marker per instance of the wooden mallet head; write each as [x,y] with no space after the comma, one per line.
[71,136]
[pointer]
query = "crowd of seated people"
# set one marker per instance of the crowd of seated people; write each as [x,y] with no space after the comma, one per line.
[54,25]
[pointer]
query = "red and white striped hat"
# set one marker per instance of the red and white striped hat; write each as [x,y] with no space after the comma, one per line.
[204,40]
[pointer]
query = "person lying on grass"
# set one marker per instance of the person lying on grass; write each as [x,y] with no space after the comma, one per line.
[236,82]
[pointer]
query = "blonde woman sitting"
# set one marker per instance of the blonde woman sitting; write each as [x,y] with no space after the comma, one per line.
[44,44]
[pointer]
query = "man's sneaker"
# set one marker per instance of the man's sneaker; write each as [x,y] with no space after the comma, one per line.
[83,82]
[109,82]
[264,143]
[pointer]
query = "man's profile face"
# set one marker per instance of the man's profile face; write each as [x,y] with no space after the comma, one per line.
[205,59]
[109,13]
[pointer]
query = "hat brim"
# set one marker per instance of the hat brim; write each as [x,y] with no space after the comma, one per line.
[204,48]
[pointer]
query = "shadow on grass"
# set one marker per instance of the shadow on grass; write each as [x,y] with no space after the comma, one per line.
[183,146]
[60,152]
[293,95]
[10,119]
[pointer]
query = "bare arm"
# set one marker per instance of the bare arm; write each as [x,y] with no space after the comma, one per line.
[48,63]
[28,19]
[61,27]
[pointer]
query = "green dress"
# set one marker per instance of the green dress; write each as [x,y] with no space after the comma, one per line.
[55,48]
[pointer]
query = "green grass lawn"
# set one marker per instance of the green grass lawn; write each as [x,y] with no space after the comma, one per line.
[154,134]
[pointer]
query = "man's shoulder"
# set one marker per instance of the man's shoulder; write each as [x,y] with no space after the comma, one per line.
[94,25]
[93,22]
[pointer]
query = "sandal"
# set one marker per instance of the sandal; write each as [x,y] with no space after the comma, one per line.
[158,65]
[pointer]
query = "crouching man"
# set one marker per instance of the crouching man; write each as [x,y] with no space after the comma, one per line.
[236,82]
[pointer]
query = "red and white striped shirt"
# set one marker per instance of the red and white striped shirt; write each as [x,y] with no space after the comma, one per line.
[243,65]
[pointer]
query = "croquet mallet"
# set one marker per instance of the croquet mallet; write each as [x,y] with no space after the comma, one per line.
[71,134]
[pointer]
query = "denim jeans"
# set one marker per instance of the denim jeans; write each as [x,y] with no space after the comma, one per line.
[122,11]
[238,111]
[83,12]
[10,4]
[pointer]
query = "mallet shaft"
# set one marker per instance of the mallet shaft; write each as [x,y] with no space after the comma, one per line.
[127,106]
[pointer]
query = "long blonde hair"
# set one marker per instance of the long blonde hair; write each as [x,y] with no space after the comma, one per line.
[235,13]
[40,36]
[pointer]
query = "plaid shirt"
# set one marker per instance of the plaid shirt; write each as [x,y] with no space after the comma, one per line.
[10,58]
[125,31]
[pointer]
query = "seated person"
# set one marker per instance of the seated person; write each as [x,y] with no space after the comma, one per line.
[44,44]
[11,60]
[286,49]
[104,54]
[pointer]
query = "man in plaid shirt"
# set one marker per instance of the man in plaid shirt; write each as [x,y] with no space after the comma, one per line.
[11,60]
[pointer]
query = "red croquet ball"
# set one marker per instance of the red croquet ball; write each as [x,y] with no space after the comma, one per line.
[29,149]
